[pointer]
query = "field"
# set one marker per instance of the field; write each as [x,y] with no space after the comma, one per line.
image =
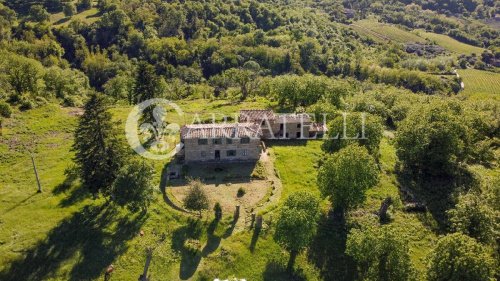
[451,44]
[88,16]
[480,84]
[383,32]
[64,234]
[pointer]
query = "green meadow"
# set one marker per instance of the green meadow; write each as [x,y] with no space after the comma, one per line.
[63,233]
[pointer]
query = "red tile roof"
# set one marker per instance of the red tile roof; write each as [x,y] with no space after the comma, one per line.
[235,130]
[256,115]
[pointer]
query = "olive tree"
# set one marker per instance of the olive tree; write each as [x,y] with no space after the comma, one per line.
[296,225]
[346,175]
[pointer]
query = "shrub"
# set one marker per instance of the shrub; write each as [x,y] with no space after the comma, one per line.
[196,199]
[26,104]
[5,110]
[241,192]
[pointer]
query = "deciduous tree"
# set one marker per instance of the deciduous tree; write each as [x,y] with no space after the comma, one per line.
[133,187]
[458,257]
[433,139]
[346,175]
[361,128]
[381,254]
[296,225]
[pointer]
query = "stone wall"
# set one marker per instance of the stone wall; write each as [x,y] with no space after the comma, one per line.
[194,152]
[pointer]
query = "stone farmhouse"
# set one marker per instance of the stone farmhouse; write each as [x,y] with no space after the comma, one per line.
[242,141]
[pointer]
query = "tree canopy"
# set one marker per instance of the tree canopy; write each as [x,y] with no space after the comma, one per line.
[381,253]
[346,175]
[458,257]
[133,187]
[296,223]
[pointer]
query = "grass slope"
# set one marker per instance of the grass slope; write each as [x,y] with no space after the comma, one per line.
[62,234]
[385,32]
[480,84]
[88,16]
[451,44]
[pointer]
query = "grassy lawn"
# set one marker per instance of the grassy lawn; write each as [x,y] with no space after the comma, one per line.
[450,44]
[480,84]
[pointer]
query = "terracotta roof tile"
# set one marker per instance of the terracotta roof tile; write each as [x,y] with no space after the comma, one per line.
[234,130]
[256,115]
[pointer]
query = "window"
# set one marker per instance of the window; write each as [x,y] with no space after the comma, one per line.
[298,126]
[203,154]
[263,122]
[245,140]
[202,141]
[229,141]
[217,141]
[231,153]
[244,152]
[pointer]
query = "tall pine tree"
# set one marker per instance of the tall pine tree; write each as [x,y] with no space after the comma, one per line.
[99,154]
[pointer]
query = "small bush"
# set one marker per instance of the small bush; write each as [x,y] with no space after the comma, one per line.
[26,104]
[41,101]
[5,110]
[241,192]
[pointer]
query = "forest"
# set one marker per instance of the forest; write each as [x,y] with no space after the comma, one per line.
[419,199]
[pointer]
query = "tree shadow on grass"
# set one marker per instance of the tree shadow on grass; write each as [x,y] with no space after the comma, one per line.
[86,233]
[255,237]
[436,193]
[213,241]
[327,251]
[190,259]
[276,271]
[78,192]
